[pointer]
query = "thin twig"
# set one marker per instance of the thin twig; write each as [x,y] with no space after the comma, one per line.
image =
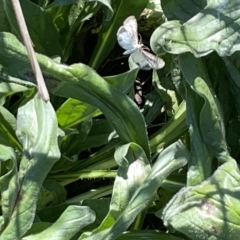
[42,89]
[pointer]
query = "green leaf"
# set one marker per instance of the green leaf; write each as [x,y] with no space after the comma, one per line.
[80,82]
[208,117]
[135,186]
[135,167]
[43,33]
[124,81]
[37,131]
[51,214]
[209,210]
[69,223]
[214,28]
[73,111]
[179,9]
[120,111]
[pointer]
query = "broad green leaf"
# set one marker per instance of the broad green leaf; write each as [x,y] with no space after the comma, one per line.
[200,162]
[107,35]
[133,169]
[209,210]
[43,33]
[69,223]
[123,81]
[52,213]
[135,186]
[207,116]
[214,28]
[80,82]
[37,131]
[181,10]
[73,111]
[120,111]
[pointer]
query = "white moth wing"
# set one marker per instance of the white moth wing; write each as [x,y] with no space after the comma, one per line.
[130,24]
[153,61]
[140,60]
[125,40]
[146,60]
[127,35]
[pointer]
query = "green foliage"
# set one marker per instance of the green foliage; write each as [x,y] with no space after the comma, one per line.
[92,163]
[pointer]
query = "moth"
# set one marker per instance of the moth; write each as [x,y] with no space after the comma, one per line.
[127,37]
